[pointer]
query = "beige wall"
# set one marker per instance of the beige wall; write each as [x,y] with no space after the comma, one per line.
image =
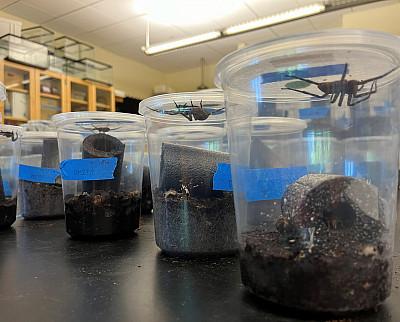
[134,78]
[190,79]
[380,18]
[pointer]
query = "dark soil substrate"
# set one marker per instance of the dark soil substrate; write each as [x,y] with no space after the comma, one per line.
[8,212]
[147,201]
[102,214]
[187,226]
[41,200]
[344,270]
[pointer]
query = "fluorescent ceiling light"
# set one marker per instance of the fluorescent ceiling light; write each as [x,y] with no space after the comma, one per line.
[275,19]
[168,46]
[185,12]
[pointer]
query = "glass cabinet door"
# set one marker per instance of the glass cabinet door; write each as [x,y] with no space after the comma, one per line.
[51,96]
[103,99]
[79,97]
[19,84]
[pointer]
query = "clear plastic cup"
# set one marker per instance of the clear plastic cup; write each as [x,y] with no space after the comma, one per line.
[326,242]
[187,140]
[40,190]
[10,150]
[101,156]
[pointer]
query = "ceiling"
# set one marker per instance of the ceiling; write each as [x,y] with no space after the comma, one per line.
[113,25]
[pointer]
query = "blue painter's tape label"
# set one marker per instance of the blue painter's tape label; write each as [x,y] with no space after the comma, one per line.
[222,179]
[270,183]
[7,188]
[313,113]
[306,72]
[91,169]
[38,174]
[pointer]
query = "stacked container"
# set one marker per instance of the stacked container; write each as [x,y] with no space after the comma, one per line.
[40,192]
[101,156]
[313,124]
[10,149]
[193,212]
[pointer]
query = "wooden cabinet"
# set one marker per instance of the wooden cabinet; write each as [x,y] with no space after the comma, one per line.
[104,98]
[79,95]
[34,94]
[19,81]
[50,93]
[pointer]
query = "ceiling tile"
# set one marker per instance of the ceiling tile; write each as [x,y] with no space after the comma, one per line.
[264,8]
[28,12]
[117,12]
[86,19]
[329,20]
[63,27]
[292,28]
[5,3]
[115,33]
[243,14]
[54,8]
[197,29]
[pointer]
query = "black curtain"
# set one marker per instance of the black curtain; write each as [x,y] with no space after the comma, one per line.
[129,105]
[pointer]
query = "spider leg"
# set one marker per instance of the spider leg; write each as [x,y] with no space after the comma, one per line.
[334,97]
[349,99]
[307,93]
[342,94]
[344,72]
[365,96]
[188,117]
[214,112]
[303,79]
[201,104]
[372,90]
[360,88]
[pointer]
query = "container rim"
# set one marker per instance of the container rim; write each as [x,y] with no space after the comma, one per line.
[234,62]
[16,128]
[147,106]
[279,125]
[72,117]
[40,135]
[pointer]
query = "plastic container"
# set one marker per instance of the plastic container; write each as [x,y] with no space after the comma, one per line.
[10,150]
[40,191]
[101,156]
[326,243]
[186,133]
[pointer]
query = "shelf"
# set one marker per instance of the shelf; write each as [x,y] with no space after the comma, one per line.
[52,96]
[17,90]
[15,119]
[81,102]
[105,106]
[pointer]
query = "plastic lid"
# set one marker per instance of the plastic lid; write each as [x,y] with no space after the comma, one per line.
[39,125]
[14,131]
[39,135]
[265,71]
[89,122]
[192,133]
[186,107]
